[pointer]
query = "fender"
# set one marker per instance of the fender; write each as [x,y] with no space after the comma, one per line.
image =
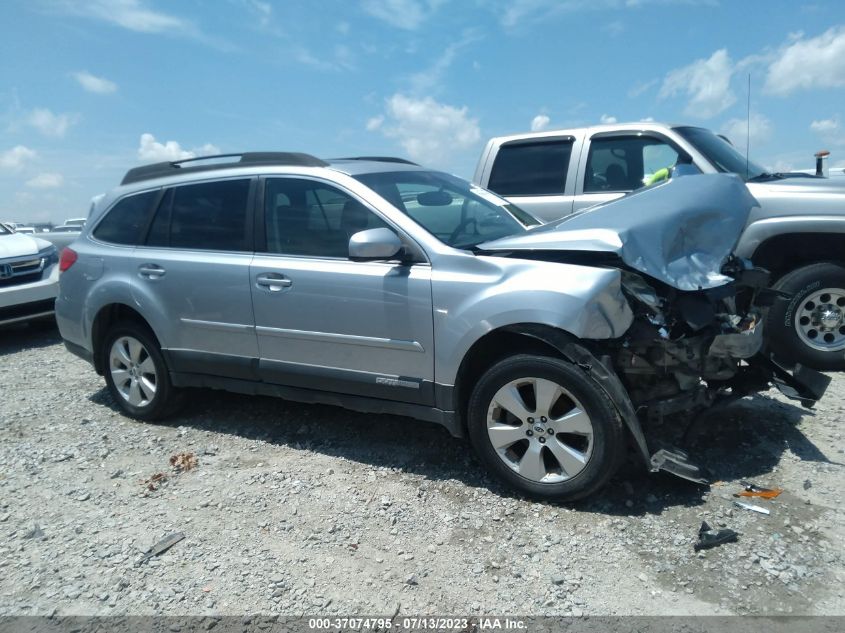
[756,233]
[585,301]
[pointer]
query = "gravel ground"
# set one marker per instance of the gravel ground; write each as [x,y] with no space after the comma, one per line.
[303,509]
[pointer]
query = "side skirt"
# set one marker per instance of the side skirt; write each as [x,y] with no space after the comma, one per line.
[447,419]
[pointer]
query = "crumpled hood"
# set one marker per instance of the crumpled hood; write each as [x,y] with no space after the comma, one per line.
[19,245]
[679,232]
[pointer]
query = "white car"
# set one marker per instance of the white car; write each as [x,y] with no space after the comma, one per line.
[29,276]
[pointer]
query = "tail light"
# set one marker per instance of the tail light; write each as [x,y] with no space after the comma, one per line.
[67,259]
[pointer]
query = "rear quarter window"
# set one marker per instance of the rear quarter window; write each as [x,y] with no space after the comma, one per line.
[126,221]
[531,169]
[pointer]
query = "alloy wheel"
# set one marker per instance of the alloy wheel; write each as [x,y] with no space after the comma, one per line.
[540,430]
[132,371]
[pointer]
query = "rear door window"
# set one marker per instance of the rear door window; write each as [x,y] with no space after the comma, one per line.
[127,220]
[204,216]
[531,169]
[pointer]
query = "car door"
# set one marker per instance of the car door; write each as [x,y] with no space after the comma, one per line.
[326,322]
[193,271]
[616,163]
[536,174]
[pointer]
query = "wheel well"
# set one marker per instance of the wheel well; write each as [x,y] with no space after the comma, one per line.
[784,253]
[108,317]
[493,347]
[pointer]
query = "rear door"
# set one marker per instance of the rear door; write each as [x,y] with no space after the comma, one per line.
[536,174]
[326,322]
[193,271]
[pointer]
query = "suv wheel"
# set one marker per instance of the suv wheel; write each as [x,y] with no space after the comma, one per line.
[809,328]
[136,374]
[544,427]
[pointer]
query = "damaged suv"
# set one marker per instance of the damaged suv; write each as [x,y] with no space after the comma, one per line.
[385,287]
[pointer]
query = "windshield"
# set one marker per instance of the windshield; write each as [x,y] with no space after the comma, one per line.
[454,211]
[4,230]
[722,154]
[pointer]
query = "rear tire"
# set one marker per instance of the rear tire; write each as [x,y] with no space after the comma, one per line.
[543,427]
[809,328]
[136,374]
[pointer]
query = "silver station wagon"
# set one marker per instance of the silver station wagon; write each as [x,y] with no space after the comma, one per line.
[381,286]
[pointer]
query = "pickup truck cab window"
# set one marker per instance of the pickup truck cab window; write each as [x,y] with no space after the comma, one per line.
[625,163]
[533,169]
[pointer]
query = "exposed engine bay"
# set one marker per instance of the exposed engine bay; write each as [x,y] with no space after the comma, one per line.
[696,340]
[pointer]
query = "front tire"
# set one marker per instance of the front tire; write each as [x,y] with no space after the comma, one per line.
[543,427]
[136,374]
[809,328]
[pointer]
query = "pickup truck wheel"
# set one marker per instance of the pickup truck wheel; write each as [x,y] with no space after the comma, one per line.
[544,427]
[136,374]
[809,328]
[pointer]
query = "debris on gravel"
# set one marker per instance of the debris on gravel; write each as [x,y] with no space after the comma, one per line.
[313,509]
[182,462]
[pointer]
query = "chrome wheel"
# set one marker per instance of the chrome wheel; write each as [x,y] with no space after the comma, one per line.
[820,320]
[133,371]
[540,430]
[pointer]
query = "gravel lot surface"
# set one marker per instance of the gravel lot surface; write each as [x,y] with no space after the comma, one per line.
[303,509]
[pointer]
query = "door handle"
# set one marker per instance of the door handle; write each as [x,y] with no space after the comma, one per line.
[274,282]
[151,271]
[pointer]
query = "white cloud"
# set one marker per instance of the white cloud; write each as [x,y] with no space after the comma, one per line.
[150,150]
[539,123]
[825,126]
[615,28]
[642,86]
[817,62]
[340,59]
[129,14]
[262,10]
[427,130]
[707,83]
[46,181]
[403,14]
[607,119]
[829,130]
[430,78]
[16,157]
[519,11]
[92,83]
[49,124]
[760,130]
[781,167]
[375,123]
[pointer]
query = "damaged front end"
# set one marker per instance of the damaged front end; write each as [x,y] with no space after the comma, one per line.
[689,351]
[697,336]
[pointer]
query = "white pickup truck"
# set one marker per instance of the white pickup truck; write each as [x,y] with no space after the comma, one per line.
[797,232]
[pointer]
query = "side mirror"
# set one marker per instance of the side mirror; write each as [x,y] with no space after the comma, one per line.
[374,244]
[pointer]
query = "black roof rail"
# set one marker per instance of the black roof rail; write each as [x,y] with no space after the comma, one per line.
[379,159]
[172,168]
